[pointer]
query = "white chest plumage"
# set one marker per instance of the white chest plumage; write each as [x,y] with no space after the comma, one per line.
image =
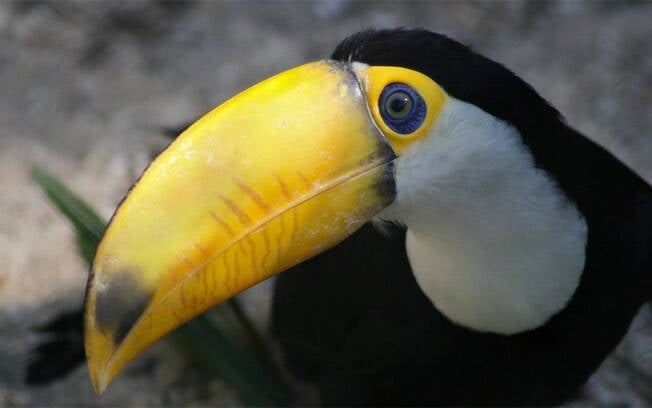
[492,241]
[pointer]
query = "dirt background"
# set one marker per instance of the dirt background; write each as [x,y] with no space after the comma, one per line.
[86,87]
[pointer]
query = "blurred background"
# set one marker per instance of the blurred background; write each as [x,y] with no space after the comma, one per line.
[87,89]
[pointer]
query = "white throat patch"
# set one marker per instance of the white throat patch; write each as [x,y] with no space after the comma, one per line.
[492,241]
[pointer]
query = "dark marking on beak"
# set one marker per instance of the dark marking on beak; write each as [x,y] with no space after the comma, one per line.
[119,306]
[386,185]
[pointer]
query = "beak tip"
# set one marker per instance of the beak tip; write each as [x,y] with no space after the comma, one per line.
[99,380]
[100,388]
[98,361]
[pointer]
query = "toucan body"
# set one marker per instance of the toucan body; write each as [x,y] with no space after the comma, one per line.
[507,258]
[378,340]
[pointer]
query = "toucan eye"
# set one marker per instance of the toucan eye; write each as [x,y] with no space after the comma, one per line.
[402,108]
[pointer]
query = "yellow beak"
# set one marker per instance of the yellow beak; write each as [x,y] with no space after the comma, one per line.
[276,175]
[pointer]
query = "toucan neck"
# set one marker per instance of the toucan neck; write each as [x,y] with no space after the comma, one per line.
[492,241]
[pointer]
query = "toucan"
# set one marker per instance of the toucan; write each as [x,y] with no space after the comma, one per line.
[450,238]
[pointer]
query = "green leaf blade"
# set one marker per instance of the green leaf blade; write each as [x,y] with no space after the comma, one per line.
[247,365]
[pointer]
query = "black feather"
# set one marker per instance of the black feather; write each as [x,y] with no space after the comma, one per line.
[60,353]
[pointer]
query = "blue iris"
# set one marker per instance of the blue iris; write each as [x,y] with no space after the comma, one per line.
[402,108]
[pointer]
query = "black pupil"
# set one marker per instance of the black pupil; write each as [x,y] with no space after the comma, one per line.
[399,104]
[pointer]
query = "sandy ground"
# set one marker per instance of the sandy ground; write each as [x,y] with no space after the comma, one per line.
[85,88]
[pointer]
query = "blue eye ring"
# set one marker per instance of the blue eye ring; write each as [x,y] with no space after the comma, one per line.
[402,108]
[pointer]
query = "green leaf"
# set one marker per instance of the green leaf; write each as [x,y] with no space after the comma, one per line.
[214,349]
[89,226]
[239,356]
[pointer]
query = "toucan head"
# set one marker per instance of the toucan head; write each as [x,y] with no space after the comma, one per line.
[398,125]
